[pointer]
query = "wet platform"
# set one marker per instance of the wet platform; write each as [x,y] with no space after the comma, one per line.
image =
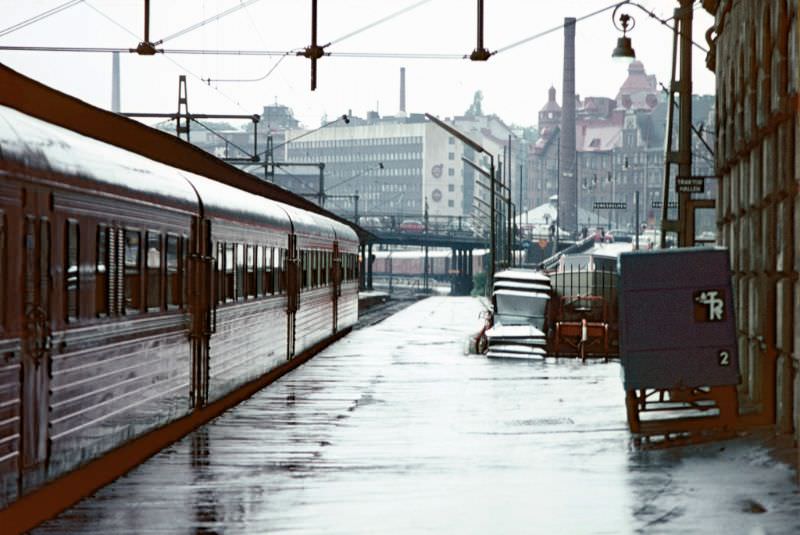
[395,430]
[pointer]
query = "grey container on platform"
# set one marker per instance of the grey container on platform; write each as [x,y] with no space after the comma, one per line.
[676,319]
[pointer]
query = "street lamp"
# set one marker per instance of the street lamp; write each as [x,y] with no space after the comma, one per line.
[478,148]
[682,30]
[624,51]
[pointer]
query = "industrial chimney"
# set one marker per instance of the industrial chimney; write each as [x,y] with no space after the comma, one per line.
[402,92]
[115,105]
[567,179]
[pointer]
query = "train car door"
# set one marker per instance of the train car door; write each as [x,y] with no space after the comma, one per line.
[337,285]
[37,294]
[292,293]
[203,301]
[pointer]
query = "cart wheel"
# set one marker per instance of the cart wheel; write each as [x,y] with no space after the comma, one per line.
[483,344]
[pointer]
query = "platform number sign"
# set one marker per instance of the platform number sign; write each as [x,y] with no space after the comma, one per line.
[724,357]
[709,306]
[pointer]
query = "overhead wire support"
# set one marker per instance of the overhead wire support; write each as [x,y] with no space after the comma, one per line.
[313,52]
[480,53]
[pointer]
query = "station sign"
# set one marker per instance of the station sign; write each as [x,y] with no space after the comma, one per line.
[609,205]
[690,184]
[658,204]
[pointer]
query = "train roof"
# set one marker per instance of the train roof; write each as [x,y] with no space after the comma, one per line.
[228,202]
[36,144]
[80,118]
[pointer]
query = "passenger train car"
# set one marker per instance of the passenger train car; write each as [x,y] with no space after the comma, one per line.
[133,293]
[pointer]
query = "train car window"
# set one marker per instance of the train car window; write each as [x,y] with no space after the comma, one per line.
[153,265]
[101,273]
[259,275]
[239,271]
[184,269]
[269,282]
[174,272]
[314,266]
[328,265]
[278,270]
[219,279]
[303,270]
[114,272]
[313,269]
[2,269]
[250,266]
[230,273]
[133,272]
[320,263]
[71,271]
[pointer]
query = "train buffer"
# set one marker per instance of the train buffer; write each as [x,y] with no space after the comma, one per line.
[678,345]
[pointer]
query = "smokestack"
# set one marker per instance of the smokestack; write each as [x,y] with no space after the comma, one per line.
[402,91]
[115,107]
[567,180]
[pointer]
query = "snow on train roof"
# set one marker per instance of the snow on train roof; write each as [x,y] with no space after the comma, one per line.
[344,232]
[309,223]
[223,200]
[522,275]
[37,144]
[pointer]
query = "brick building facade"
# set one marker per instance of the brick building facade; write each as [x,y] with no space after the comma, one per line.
[755,59]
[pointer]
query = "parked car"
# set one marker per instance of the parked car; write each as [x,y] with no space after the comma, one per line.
[411,225]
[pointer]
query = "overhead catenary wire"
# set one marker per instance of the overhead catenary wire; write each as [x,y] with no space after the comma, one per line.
[379,21]
[171,60]
[223,138]
[338,40]
[651,14]
[555,29]
[41,16]
[360,174]
[206,21]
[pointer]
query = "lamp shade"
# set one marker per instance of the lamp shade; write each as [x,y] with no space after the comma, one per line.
[624,51]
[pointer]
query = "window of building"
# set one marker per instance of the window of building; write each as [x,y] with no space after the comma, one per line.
[451,140]
[451,187]
[451,156]
[451,171]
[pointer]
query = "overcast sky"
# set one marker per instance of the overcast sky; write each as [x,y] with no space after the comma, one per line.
[514,82]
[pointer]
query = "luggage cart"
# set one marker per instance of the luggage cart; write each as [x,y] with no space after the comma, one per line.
[678,345]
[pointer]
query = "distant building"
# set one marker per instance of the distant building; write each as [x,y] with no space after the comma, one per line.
[620,150]
[394,164]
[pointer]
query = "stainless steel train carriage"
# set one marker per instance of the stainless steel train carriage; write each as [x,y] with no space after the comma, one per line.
[133,293]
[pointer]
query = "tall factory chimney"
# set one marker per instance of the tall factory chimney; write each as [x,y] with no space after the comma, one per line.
[402,91]
[567,160]
[115,107]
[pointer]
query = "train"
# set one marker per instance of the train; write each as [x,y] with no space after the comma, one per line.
[133,294]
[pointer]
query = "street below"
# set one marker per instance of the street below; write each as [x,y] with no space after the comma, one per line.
[395,429]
